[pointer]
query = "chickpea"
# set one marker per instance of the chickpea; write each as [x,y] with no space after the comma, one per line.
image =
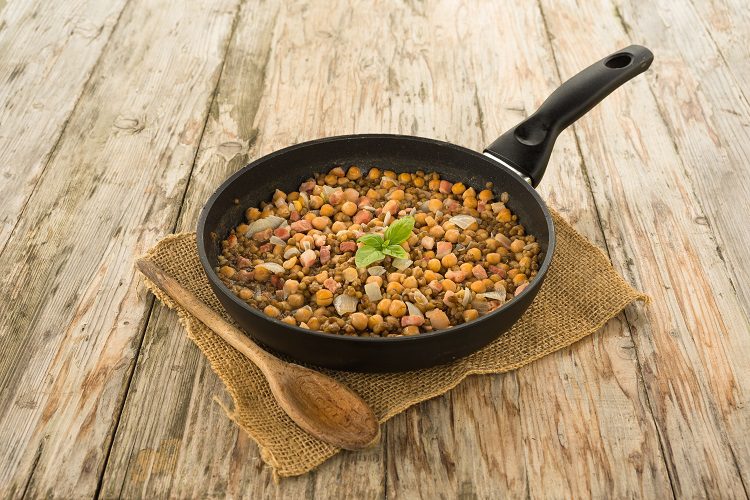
[289,320]
[331,179]
[290,263]
[433,265]
[384,305]
[449,285]
[245,293]
[430,275]
[404,177]
[316,202]
[418,182]
[451,235]
[327,210]
[410,282]
[466,267]
[389,174]
[517,246]
[437,232]
[296,300]
[470,314]
[353,173]
[324,297]
[313,323]
[349,208]
[394,287]
[410,330]
[397,308]
[469,193]
[358,320]
[478,287]
[504,215]
[303,314]
[272,311]
[434,184]
[458,188]
[449,260]
[474,254]
[375,279]
[375,322]
[434,205]
[227,271]
[519,278]
[493,258]
[470,202]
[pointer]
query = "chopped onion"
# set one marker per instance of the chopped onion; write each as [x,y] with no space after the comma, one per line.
[376,271]
[386,219]
[463,221]
[467,297]
[373,291]
[272,266]
[291,251]
[277,241]
[419,297]
[306,245]
[402,264]
[494,296]
[368,207]
[270,222]
[496,207]
[413,211]
[438,214]
[305,198]
[414,310]
[345,304]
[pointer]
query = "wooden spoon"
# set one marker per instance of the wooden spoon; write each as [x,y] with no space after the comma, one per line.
[320,405]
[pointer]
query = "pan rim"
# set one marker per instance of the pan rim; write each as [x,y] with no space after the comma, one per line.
[216,281]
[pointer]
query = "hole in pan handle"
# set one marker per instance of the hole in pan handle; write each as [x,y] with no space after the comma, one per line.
[527,146]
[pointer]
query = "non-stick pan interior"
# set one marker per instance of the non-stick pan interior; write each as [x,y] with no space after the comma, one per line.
[287,168]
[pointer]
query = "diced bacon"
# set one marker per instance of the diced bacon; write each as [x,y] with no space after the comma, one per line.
[336,197]
[479,272]
[232,241]
[364,202]
[282,232]
[325,254]
[277,281]
[497,270]
[412,321]
[331,284]
[308,258]
[436,286]
[451,205]
[266,247]
[348,246]
[391,206]
[294,216]
[307,186]
[263,235]
[301,226]
[456,276]
[448,298]
[362,217]
[445,187]
[443,249]
[319,240]
[428,242]
[244,262]
[243,275]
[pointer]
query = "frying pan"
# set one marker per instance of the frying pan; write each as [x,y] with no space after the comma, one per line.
[515,163]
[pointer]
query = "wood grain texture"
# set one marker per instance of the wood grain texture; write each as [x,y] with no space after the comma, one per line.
[72,322]
[48,52]
[691,343]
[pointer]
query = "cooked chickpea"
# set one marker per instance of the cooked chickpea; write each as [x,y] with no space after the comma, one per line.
[451,235]
[358,320]
[449,260]
[227,271]
[410,330]
[350,274]
[324,297]
[349,208]
[517,246]
[296,300]
[470,314]
[272,311]
[384,305]
[410,282]
[474,254]
[353,173]
[478,287]
[434,265]
[493,258]
[327,210]
[321,223]
[397,308]
[458,188]
[303,314]
[245,293]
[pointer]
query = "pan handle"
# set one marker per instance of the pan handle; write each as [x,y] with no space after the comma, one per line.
[527,146]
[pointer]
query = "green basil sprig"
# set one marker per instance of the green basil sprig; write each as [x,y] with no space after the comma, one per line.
[375,247]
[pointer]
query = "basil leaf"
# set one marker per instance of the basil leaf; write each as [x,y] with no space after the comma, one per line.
[400,230]
[366,255]
[373,240]
[396,251]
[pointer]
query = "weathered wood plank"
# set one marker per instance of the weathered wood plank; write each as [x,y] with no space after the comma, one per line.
[521,434]
[177,413]
[47,53]
[691,343]
[72,321]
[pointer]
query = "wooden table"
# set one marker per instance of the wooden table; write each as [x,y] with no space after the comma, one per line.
[119,118]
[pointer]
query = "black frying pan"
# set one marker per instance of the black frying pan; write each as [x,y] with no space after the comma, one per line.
[515,163]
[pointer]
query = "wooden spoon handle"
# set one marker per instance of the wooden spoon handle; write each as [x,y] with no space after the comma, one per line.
[232,335]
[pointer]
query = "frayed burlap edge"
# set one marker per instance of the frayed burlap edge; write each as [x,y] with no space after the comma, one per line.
[311,453]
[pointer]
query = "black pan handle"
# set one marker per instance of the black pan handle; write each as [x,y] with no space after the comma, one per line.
[527,146]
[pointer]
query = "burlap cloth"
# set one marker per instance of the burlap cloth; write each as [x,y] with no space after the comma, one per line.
[580,294]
